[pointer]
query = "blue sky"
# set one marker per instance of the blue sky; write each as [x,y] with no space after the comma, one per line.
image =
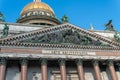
[80,12]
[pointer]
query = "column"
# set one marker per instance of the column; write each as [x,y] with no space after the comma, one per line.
[44,69]
[62,69]
[97,70]
[112,70]
[117,65]
[24,62]
[3,63]
[80,69]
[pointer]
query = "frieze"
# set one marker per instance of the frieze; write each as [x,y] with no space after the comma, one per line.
[54,56]
[69,52]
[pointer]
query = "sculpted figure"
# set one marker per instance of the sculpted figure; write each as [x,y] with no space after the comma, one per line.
[117,37]
[109,26]
[64,19]
[5,30]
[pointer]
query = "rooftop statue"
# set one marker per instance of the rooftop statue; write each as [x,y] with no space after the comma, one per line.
[91,27]
[109,26]
[64,19]
[5,30]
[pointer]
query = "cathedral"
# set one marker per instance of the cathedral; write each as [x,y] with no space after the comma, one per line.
[39,46]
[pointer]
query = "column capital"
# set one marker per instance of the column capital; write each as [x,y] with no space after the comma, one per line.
[110,62]
[43,61]
[61,61]
[79,61]
[112,70]
[24,61]
[95,62]
[3,60]
[96,69]
[118,64]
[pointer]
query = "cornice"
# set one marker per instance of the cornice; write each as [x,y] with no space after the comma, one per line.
[59,46]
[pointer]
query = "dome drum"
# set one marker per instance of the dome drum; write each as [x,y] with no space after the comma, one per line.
[38,13]
[39,20]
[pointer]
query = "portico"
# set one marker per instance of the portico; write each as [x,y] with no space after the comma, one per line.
[63,64]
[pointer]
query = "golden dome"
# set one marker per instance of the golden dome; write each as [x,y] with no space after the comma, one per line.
[37,5]
[38,13]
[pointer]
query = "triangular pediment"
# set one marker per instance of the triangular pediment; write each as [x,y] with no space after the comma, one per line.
[61,34]
[67,36]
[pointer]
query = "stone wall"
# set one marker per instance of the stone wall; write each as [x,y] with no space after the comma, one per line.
[13,73]
[34,73]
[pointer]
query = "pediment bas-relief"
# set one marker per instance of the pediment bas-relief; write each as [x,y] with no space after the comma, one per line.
[69,36]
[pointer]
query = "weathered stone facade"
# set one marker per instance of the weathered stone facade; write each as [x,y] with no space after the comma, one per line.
[59,52]
[95,59]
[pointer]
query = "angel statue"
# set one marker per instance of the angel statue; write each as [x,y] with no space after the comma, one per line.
[64,19]
[109,26]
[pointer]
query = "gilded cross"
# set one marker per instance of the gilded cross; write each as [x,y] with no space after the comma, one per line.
[37,0]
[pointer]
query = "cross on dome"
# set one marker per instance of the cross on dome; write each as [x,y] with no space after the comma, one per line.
[37,0]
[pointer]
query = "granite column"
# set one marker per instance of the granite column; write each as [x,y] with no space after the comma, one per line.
[62,69]
[24,62]
[80,69]
[44,69]
[97,70]
[112,70]
[3,63]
